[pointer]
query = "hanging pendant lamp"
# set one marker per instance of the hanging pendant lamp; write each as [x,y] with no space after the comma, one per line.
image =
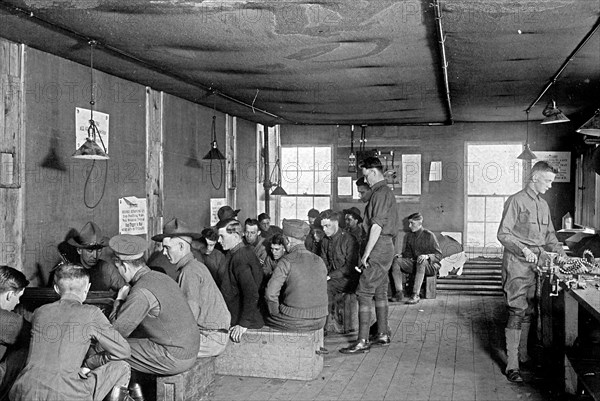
[591,126]
[214,153]
[553,114]
[527,154]
[90,150]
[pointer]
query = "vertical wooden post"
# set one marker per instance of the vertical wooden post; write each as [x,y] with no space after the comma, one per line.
[12,145]
[154,162]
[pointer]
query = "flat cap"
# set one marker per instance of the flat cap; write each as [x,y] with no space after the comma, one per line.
[298,229]
[313,213]
[227,212]
[128,247]
[415,216]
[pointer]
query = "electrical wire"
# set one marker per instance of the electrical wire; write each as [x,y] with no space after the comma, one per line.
[87,180]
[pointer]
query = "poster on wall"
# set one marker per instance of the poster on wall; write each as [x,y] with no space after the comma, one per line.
[560,161]
[215,205]
[82,123]
[133,215]
[411,174]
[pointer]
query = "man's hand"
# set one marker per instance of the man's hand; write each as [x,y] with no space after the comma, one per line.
[422,258]
[364,261]
[529,255]
[115,309]
[560,260]
[236,332]
[123,292]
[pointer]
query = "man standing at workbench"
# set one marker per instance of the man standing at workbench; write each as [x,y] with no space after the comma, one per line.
[527,233]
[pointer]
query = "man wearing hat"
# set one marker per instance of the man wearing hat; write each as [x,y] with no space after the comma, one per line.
[155,318]
[202,294]
[364,189]
[89,242]
[353,224]
[243,281]
[381,225]
[226,213]
[297,291]
[340,253]
[310,242]
[421,257]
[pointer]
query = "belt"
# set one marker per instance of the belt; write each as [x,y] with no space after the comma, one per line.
[216,330]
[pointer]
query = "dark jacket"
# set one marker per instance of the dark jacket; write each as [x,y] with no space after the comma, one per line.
[241,287]
[340,253]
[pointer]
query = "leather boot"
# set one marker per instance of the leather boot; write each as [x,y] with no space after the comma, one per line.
[135,392]
[382,312]
[513,337]
[358,347]
[523,354]
[381,339]
[118,393]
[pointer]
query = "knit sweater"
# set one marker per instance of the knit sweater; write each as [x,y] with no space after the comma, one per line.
[302,277]
[422,242]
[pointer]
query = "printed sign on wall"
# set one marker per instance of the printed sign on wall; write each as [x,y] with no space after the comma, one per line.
[133,215]
[560,161]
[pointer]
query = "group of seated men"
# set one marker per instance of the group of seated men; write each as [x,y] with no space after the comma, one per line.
[225,280]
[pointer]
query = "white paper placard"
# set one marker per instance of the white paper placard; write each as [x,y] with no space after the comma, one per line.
[133,215]
[559,160]
[355,193]
[344,186]
[435,171]
[82,123]
[411,174]
[215,205]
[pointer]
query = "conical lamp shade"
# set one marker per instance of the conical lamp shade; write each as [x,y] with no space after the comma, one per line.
[214,153]
[90,150]
[591,126]
[52,160]
[279,191]
[527,154]
[553,114]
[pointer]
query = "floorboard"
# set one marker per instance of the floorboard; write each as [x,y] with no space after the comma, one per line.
[448,348]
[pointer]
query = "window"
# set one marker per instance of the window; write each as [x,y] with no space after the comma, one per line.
[493,173]
[306,176]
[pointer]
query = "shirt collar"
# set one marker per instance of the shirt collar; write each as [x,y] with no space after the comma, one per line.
[139,274]
[237,247]
[531,193]
[185,260]
[378,185]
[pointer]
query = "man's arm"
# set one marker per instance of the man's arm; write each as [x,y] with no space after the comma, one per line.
[374,234]
[435,252]
[13,328]
[276,282]
[135,309]
[552,242]
[249,292]
[109,338]
[348,248]
[191,285]
[505,230]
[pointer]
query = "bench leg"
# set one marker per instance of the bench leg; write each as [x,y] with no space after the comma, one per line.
[430,287]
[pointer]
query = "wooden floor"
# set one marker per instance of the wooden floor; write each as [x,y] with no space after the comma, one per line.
[449,348]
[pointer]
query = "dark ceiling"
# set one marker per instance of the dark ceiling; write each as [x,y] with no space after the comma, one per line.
[333,62]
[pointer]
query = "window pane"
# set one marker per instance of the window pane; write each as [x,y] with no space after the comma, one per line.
[493,169]
[306,183]
[493,209]
[289,155]
[475,234]
[322,203]
[491,232]
[306,159]
[323,183]
[304,204]
[475,209]
[288,207]
[289,181]
[323,158]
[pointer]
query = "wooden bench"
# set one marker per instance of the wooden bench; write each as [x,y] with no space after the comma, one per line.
[429,288]
[191,385]
[272,353]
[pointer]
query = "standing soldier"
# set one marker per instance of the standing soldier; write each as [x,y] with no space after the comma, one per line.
[381,225]
[526,232]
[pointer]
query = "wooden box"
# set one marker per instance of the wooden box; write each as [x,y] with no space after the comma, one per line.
[272,353]
[190,385]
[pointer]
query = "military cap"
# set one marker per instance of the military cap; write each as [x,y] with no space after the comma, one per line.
[298,229]
[128,247]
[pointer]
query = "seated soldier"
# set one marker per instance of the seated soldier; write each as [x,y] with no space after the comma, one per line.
[278,248]
[104,276]
[254,240]
[213,258]
[354,226]
[297,291]
[14,335]
[266,229]
[62,333]
[155,318]
[242,282]
[202,294]
[421,257]
[309,242]
[340,253]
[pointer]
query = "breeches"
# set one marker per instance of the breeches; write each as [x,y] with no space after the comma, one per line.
[149,357]
[212,343]
[518,283]
[374,280]
[408,266]
[288,323]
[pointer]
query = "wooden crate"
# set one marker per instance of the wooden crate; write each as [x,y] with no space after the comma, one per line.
[272,353]
[190,385]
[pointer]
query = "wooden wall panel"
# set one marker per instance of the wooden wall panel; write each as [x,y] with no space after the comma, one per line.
[154,162]
[11,154]
[246,169]
[187,183]
[54,87]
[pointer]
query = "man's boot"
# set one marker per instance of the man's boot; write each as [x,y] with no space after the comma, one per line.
[523,354]
[362,344]
[382,337]
[513,337]
[135,392]
[118,393]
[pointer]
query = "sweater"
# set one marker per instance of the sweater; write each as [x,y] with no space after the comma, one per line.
[422,242]
[302,277]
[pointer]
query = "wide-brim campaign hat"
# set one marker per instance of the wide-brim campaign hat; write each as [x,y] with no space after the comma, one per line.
[176,228]
[89,237]
[226,212]
[354,212]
